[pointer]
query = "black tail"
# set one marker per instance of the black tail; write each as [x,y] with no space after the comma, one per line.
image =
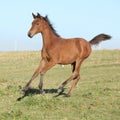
[99,38]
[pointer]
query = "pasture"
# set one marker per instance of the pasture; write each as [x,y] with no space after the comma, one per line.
[96,97]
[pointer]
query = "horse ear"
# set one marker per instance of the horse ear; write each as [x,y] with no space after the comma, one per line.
[34,16]
[46,17]
[38,15]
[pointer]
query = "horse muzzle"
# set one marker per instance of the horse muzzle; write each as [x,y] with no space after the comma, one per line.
[30,35]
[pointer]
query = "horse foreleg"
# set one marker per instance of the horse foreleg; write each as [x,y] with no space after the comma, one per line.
[36,73]
[42,72]
[41,84]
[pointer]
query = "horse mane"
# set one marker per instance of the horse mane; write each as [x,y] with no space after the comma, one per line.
[49,23]
[51,26]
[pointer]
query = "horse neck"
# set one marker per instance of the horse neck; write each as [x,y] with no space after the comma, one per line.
[49,38]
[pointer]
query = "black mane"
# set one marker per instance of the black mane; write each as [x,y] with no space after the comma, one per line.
[51,26]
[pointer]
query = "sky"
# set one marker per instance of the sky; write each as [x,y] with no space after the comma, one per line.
[70,18]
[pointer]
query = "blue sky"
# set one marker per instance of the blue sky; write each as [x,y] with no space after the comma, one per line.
[71,18]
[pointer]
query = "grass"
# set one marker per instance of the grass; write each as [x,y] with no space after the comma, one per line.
[96,97]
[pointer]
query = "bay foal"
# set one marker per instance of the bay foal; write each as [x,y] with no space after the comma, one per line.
[57,50]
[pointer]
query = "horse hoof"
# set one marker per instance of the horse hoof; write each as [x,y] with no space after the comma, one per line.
[60,90]
[23,92]
[42,92]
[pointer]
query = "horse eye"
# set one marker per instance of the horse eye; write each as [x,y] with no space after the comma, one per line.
[37,23]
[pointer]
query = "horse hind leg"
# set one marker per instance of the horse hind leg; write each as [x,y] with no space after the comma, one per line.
[76,76]
[61,88]
[75,81]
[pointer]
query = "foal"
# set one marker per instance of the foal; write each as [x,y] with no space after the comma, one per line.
[57,50]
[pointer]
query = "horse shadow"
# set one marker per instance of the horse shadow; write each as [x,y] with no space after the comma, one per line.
[33,91]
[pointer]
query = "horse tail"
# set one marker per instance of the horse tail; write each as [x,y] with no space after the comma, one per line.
[99,38]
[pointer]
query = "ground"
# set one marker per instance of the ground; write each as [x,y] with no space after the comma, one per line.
[96,97]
